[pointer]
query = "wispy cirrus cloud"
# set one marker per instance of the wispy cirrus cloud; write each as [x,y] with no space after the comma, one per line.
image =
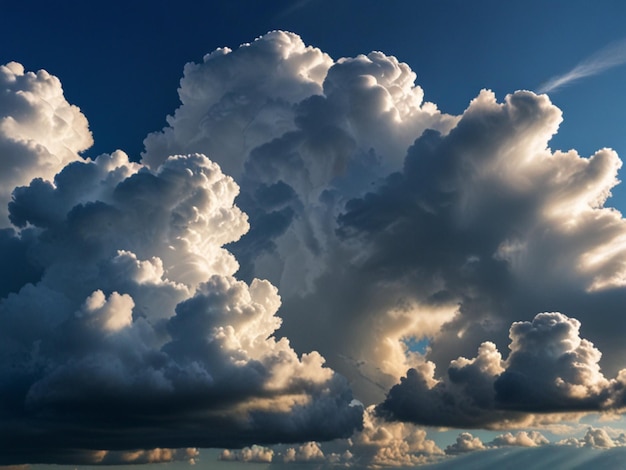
[606,58]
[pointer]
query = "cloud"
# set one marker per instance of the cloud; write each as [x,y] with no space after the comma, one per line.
[606,58]
[309,452]
[255,453]
[137,322]
[596,438]
[382,222]
[535,458]
[309,136]
[374,212]
[488,226]
[465,443]
[379,444]
[391,444]
[227,111]
[520,439]
[549,369]
[40,132]
[110,457]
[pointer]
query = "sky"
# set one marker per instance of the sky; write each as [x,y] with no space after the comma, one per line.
[348,234]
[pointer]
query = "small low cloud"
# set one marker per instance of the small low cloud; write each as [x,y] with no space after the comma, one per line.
[137,321]
[40,132]
[597,438]
[550,369]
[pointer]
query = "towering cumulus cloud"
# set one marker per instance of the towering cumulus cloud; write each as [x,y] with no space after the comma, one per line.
[386,223]
[410,249]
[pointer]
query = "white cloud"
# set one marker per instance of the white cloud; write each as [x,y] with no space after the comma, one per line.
[40,132]
[380,219]
[308,452]
[382,443]
[141,456]
[597,438]
[227,110]
[302,141]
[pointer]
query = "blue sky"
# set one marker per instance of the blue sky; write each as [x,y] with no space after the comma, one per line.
[380,221]
[121,63]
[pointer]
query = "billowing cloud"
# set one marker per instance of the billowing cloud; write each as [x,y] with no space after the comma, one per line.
[40,132]
[549,369]
[254,453]
[597,438]
[137,322]
[608,57]
[309,452]
[308,137]
[520,439]
[376,213]
[490,223]
[391,444]
[400,239]
[380,444]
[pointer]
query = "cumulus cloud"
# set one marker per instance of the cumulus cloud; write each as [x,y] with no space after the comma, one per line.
[382,221]
[597,438]
[312,134]
[465,443]
[549,369]
[379,444]
[137,322]
[510,226]
[254,453]
[40,132]
[390,444]
[520,439]
[112,457]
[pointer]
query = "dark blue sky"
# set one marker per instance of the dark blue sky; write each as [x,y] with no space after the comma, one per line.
[120,62]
